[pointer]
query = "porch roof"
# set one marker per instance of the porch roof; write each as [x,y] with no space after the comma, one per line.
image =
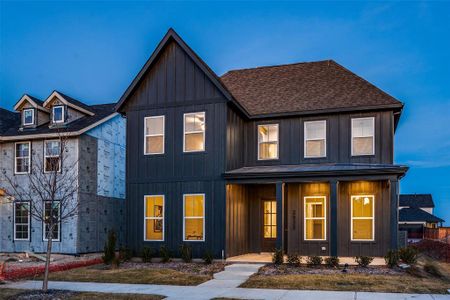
[309,170]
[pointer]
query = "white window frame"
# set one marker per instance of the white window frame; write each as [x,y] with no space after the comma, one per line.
[362,218]
[305,139]
[62,114]
[154,218]
[21,157]
[184,217]
[32,116]
[278,141]
[197,131]
[28,221]
[159,134]
[50,156]
[315,218]
[373,136]
[44,238]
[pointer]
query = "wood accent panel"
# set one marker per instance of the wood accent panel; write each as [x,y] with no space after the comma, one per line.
[237,220]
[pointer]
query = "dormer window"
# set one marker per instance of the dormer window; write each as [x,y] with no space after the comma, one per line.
[58,114]
[28,116]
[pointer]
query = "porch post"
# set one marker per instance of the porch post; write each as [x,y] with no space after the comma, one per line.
[394,213]
[280,214]
[333,217]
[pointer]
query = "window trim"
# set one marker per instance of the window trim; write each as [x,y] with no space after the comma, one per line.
[353,136]
[305,139]
[59,223]
[62,114]
[28,223]
[203,131]
[278,141]
[45,156]
[315,218]
[32,116]
[155,218]
[362,218]
[15,158]
[184,217]
[149,135]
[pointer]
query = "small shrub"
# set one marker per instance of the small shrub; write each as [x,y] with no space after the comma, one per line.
[314,260]
[432,269]
[186,253]
[208,257]
[391,258]
[165,254]
[408,255]
[115,263]
[109,252]
[277,257]
[332,261]
[363,261]
[293,260]
[147,254]
[125,253]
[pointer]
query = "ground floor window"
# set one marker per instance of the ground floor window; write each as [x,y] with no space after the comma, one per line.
[315,218]
[194,217]
[52,210]
[154,218]
[362,218]
[21,221]
[270,219]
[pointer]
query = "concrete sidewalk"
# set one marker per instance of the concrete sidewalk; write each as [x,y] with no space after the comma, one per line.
[204,293]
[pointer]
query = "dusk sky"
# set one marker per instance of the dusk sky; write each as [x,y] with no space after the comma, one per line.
[92,50]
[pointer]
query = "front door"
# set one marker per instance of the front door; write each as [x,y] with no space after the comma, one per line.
[269,225]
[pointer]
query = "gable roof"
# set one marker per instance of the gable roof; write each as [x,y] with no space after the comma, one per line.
[416,200]
[417,215]
[171,35]
[35,102]
[8,119]
[304,87]
[69,101]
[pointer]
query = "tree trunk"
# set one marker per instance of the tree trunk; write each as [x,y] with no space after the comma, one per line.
[47,260]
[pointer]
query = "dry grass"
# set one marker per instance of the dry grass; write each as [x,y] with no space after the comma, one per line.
[138,276]
[9,294]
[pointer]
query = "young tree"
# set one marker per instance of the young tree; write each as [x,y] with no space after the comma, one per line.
[50,187]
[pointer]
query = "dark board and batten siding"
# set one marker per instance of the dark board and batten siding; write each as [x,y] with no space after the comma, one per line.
[173,86]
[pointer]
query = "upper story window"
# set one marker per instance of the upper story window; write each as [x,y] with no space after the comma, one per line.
[52,151]
[363,136]
[28,116]
[194,132]
[58,114]
[22,158]
[315,143]
[267,141]
[363,219]
[154,135]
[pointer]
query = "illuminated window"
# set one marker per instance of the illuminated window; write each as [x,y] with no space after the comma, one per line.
[154,135]
[194,217]
[315,218]
[315,139]
[154,218]
[28,116]
[270,219]
[55,212]
[22,158]
[58,114]
[194,132]
[268,141]
[363,137]
[52,150]
[362,208]
[21,221]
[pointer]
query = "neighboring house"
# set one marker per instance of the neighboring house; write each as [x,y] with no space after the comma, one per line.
[297,157]
[416,214]
[95,144]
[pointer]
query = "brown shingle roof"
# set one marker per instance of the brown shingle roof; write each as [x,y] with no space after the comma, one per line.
[303,87]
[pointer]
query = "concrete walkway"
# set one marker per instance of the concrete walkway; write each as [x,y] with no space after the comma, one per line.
[233,276]
[205,292]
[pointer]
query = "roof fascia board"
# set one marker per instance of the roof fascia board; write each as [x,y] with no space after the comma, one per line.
[34,104]
[66,102]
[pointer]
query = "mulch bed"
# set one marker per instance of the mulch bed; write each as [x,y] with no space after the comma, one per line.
[272,269]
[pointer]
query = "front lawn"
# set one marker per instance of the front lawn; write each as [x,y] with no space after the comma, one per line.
[371,279]
[13,294]
[173,273]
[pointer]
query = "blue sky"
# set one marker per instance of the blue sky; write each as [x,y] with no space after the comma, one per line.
[92,51]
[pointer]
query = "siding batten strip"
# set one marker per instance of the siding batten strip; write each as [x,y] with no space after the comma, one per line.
[334,218]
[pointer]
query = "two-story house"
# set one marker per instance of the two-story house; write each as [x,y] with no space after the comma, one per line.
[30,139]
[298,157]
